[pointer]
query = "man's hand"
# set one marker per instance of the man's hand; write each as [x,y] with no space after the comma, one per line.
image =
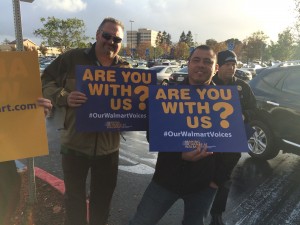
[46,103]
[76,99]
[199,153]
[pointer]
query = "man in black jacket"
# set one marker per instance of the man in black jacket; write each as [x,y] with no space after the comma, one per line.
[192,176]
[227,62]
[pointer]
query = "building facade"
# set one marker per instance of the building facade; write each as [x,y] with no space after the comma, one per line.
[143,35]
[31,46]
[27,43]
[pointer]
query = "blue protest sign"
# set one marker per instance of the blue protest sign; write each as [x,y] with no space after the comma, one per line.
[117,98]
[180,117]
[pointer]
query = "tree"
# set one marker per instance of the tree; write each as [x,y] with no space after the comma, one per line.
[182,37]
[211,42]
[181,50]
[158,40]
[67,34]
[284,49]
[168,39]
[189,39]
[6,41]
[163,38]
[238,46]
[254,46]
[297,29]
[43,49]
[141,49]
[216,46]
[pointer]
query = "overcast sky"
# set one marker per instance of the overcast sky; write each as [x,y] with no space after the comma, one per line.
[217,19]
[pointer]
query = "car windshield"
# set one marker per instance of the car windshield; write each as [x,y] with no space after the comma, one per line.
[157,68]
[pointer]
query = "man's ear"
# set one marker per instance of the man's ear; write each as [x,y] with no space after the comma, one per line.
[216,68]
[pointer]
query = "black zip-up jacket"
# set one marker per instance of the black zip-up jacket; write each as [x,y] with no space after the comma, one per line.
[185,177]
[248,104]
[247,98]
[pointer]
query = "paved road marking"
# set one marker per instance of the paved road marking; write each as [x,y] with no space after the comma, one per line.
[137,168]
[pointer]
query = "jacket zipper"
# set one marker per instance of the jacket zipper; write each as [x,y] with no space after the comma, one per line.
[96,143]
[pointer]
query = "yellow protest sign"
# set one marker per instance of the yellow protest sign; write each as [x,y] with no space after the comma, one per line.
[22,129]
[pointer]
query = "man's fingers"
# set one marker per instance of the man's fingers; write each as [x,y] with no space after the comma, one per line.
[76,99]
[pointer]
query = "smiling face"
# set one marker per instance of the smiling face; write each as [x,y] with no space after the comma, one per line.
[202,67]
[106,47]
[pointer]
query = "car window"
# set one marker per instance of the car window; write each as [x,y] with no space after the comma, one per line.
[292,83]
[157,69]
[273,78]
[184,69]
[169,70]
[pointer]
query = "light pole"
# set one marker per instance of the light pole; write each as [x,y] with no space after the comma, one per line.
[17,20]
[20,47]
[131,21]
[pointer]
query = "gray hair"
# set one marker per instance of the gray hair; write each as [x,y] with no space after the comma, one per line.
[110,20]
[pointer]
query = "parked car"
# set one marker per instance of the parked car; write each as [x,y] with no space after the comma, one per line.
[179,75]
[43,67]
[277,123]
[163,72]
[243,74]
[252,68]
[279,64]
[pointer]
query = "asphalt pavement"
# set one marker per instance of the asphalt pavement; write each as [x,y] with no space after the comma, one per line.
[262,193]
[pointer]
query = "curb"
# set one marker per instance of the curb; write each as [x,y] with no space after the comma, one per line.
[55,182]
[52,180]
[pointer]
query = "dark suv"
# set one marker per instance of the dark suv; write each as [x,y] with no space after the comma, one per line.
[277,123]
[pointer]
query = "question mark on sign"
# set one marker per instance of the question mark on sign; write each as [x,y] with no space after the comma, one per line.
[145,93]
[228,110]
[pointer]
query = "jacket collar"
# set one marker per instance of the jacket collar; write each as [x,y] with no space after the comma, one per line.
[217,80]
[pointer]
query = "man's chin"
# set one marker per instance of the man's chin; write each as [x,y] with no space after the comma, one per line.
[110,54]
[196,81]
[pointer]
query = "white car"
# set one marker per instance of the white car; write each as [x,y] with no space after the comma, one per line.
[163,72]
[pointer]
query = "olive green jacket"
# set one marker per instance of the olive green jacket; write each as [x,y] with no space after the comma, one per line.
[58,80]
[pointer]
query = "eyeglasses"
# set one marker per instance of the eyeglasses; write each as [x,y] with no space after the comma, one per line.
[108,36]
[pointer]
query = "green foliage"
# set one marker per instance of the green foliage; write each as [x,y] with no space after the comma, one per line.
[182,37]
[255,45]
[182,51]
[163,38]
[43,49]
[66,34]
[187,38]
[284,49]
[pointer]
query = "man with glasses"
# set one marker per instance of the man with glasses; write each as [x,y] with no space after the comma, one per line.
[97,151]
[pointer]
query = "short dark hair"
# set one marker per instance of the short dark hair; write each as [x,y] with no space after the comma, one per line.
[110,20]
[202,47]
